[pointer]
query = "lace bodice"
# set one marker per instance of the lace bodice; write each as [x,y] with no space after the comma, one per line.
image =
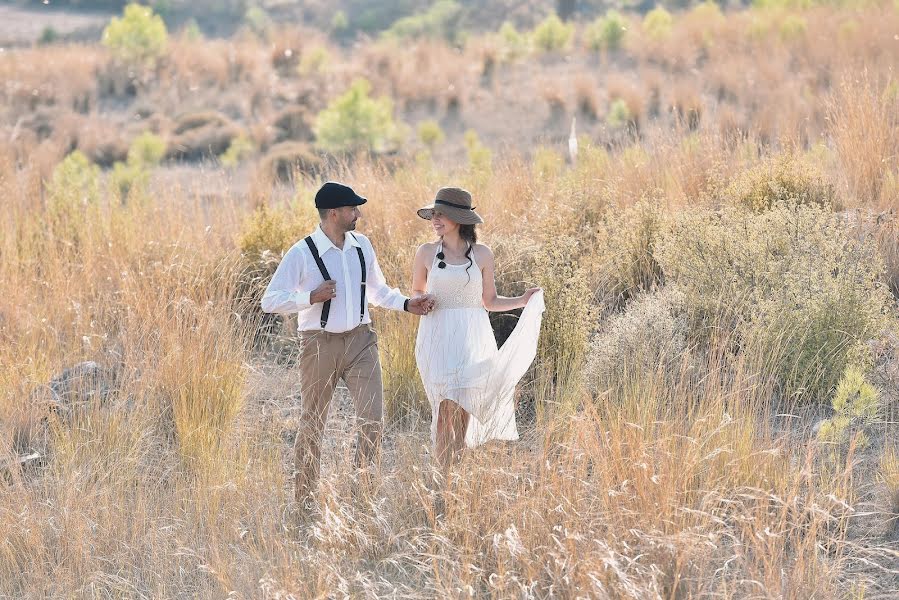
[456,287]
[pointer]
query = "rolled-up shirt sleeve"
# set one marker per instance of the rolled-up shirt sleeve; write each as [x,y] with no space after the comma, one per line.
[283,294]
[377,290]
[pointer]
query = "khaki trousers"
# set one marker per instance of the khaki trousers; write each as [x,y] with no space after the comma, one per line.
[326,358]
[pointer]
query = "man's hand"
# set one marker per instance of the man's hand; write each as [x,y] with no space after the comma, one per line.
[421,305]
[324,292]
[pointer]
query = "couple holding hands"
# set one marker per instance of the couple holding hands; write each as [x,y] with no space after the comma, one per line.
[331,276]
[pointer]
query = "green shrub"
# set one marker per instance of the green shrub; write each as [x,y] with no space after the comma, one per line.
[355,121]
[48,36]
[658,23]
[274,230]
[133,176]
[619,114]
[73,192]
[552,34]
[792,27]
[314,61]
[139,38]
[191,31]
[514,44]
[625,249]
[147,149]
[562,350]
[241,147]
[439,21]
[339,23]
[606,33]
[258,20]
[430,133]
[855,403]
[792,284]
[480,158]
[785,180]
[548,164]
[264,237]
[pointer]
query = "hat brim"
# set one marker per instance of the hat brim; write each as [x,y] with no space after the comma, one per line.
[456,215]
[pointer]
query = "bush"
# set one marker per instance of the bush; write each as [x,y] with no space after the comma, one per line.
[355,121]
[72,193]
[430,133]
[619,114]
[606,33]
[658,23]
[200,135]
[649,336]
[562,348]
[133,176]
[480,158]
[792,27]
[552,34]
[139,38]
[241,147]
[258,21]
[147,149]
[792,284]
[784,180]
[264,238]
[626,251]
[548,164]
[855,404]
[339,23]
[514,44]
[294,123]
[439,21]
[286,160]
[315,60]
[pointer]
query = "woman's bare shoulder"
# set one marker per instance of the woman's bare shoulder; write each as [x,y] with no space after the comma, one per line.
[426,249]
[482,252]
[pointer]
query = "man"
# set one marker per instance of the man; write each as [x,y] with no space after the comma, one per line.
[328,279]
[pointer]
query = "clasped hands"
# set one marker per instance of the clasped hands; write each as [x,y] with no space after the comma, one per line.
[422,305]
[419,305]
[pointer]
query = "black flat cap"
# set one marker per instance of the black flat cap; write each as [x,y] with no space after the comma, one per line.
[335,195]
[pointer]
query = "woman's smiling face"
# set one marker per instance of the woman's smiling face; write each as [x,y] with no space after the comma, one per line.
[442,224]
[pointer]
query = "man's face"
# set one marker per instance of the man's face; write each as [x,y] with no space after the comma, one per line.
[347,216]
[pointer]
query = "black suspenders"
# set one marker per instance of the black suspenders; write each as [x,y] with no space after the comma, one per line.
[326,307]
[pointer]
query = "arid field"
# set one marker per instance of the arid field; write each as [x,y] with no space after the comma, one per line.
[708,195]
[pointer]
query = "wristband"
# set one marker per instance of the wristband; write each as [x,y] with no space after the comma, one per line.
[406,305]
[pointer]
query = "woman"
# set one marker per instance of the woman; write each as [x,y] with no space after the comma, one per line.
[469,382]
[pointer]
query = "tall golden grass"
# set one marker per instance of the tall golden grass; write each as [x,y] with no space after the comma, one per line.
[179,484]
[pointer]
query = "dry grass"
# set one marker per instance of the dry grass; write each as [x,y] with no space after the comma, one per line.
[178,485]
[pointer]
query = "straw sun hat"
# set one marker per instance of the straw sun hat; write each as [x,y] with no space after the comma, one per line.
[455,203]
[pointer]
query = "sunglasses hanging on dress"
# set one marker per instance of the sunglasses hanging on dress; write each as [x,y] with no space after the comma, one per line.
[440,257]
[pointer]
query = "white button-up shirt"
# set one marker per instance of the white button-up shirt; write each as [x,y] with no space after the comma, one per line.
[298,275]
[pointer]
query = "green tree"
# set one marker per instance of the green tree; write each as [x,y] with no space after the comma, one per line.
[139,38]
[356,121]
[606,33]
[552,34]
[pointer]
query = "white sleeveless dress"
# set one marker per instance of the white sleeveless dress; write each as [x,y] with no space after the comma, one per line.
[458,358]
